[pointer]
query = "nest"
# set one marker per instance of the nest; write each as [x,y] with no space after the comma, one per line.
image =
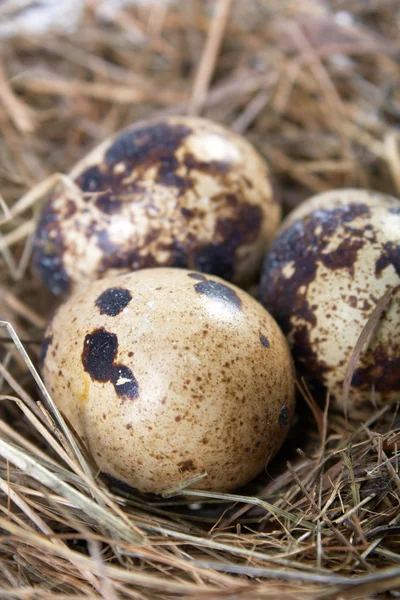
[316,89]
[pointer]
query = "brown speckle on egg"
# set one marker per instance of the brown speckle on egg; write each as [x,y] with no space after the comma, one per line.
[180,382]
[186,465]
[173,191]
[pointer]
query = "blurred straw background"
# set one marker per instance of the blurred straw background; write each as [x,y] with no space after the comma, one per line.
[315,85]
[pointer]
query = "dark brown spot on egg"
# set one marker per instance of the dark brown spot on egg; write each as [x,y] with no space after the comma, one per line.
[220,292]
[178,254]
[99,351]
[381,264]
[186,465]
[352,300]
[44,348]
[112,301]
[344,256]
[188,213]
[197,276]
[70,209]
[124,382]
[284,416]
[264,341]
[132,258]
[92,180]
[366,305]
[305,356]
[231,200]
[108,204]
[151,145]
[306,312]
[167,175]
[211,167]
[383,372]
[48,251]
[219,256]
[109,188]
[152,235]
[133,152]
[390,256]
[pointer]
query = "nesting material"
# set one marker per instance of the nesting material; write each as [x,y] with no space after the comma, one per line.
[314,86]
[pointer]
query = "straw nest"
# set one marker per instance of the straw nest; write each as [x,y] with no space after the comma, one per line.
[316,89]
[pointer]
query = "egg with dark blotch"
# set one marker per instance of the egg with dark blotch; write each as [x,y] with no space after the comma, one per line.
[174,191]
[333,259]
[169,374]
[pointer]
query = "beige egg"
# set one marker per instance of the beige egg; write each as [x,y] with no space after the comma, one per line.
[333,259]
[167,374]
[174,191]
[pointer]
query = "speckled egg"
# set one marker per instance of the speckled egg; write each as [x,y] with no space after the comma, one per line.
[167,374]
[176,191]
[333,259]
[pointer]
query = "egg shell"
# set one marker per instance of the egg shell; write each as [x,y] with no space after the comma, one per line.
[174,191]
[333,259]
[167,374]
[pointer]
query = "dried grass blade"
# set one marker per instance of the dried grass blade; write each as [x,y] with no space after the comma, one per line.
[209,56]
[38,193]
[368,328]
[133,576]
[269,508]
[103,517]
[49,401]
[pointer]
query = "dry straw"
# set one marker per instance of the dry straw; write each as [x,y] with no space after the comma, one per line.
[316,88]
